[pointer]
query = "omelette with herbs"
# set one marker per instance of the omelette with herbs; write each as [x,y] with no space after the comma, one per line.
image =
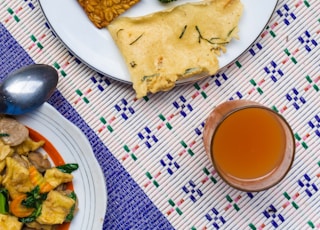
[181,42]
[33,193]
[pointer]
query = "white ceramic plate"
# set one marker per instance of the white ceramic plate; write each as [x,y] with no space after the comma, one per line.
[96,48]
[70,142]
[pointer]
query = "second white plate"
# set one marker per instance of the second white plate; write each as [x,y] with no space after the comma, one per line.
[73,146]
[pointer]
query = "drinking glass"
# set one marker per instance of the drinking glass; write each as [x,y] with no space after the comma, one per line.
[215,122]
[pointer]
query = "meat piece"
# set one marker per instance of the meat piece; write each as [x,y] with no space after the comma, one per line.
[40,161]
[61,188]
[12,132]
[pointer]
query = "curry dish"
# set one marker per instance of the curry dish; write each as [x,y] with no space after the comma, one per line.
[177,43]
[33,193]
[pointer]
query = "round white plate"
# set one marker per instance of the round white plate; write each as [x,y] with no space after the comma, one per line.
[73,146]
[96,48]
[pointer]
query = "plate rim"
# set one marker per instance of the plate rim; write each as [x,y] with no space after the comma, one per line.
[179,82]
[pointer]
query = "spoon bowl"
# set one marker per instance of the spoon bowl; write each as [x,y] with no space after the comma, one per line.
[27,88]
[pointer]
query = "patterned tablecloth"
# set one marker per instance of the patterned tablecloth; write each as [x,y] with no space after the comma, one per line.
[150,150]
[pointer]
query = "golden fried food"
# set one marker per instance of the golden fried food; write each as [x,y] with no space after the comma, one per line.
[177,43]
[102,12]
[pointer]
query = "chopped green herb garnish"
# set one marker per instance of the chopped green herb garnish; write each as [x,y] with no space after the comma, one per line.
[183,31]
[146,78]
[34,200]
[136,39]
[4,198]
[69,217]
[68,168]
[230,32]
[4,135]
[119,31]
[190,70]
[211,40]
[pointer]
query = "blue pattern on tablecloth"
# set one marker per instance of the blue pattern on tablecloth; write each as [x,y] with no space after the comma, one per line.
[123,212]
[12,55]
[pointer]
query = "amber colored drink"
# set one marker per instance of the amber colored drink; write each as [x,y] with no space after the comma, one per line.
[249,143]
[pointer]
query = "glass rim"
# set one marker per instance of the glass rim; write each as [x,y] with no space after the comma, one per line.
[218,169]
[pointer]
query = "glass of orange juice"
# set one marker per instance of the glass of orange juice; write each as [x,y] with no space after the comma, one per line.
[251,146]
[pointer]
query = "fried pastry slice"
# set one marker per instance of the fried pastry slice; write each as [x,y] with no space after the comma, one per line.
[176,43]
[102,12]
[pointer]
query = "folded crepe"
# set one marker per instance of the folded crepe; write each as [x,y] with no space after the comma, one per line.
[177,43]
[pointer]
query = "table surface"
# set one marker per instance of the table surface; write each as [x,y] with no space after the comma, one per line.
[150,150]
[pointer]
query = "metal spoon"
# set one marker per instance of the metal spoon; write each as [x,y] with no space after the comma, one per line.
[27,88]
